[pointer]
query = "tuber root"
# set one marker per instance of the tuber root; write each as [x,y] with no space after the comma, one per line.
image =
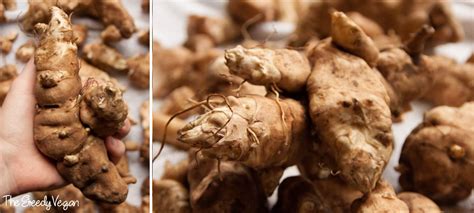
[437,157]
[244,130]
[66,124]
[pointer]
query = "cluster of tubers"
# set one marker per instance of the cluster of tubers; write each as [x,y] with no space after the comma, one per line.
[323,99]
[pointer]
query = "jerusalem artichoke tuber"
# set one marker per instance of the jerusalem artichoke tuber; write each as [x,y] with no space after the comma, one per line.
[381,199]
[170,196]
[350,113]
[59,127]
[417,203]
[218,30]
[25,51]
[6,42]
[105,58]
[436,159]
[4,6]
[139,71]
[287,69]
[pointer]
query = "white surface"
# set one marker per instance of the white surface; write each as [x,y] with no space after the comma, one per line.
[133,96]
[169,22]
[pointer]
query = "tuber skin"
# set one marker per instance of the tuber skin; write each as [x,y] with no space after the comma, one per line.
[6,42]
[105,58]
[351,116]
[436,158]
[58,132]
[351,38]
[287,69]
[381,199]
[417,203]
[403,17]
[296,194]
[25,51]
[139,71]
[110,35]
[144,37]
[80,33]
[218,30]
[224,187]
[6,208]
[8,73]
[110,12]
[177,172]
[159,123]
[452,84]
[170,196]
[242,11]
[251,135]
[145,124]
[178,100]
[88,71]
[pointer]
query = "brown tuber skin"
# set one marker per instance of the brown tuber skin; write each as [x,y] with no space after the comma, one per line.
[350,113]
[170,196]
[25,51]
[80,33]
[58,132]
[381,199]
[436,159]
[6,5]
[258,140]
[145,124]
[7,74]
[110,35]
[218,30]
[287,69]
[105,58]
[224,187]
[159,123]
[139,71]
[5,208]
[296,194]
[110,12]
[242,11]
[6,42]
[417,203]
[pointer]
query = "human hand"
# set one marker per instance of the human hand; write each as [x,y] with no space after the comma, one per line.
[22,166]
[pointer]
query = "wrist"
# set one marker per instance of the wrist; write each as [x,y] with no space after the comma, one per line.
[7,180]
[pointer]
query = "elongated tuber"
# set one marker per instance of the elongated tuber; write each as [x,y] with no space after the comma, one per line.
[437,157]
[105,58]
[7,75]
[139,71]
[287,69]
[66,125]
[260,132]
[350,113]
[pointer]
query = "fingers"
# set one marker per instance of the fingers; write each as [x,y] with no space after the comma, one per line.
[20,98]
[115,149]
[124,130]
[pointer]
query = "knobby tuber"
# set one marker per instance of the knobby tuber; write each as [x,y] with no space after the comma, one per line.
[6,42]
[7,75]
[437,157]
[417,203]
[105,58]
[258,131]
[218,30]
[404,17]
[139,71]
[287,69]
[224,187]
[88,71]
[25,51]
[350,113]
[381,199]
[110,12]
[71,117]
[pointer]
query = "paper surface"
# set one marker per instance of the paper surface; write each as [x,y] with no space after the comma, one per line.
[134,97]
[169,24]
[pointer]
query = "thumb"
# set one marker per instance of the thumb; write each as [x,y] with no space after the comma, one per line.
[20,98]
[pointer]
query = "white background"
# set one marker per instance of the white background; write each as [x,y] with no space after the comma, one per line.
[134,97]
[169,28]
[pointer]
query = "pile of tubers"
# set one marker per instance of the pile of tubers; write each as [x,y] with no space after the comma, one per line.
[323,99]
